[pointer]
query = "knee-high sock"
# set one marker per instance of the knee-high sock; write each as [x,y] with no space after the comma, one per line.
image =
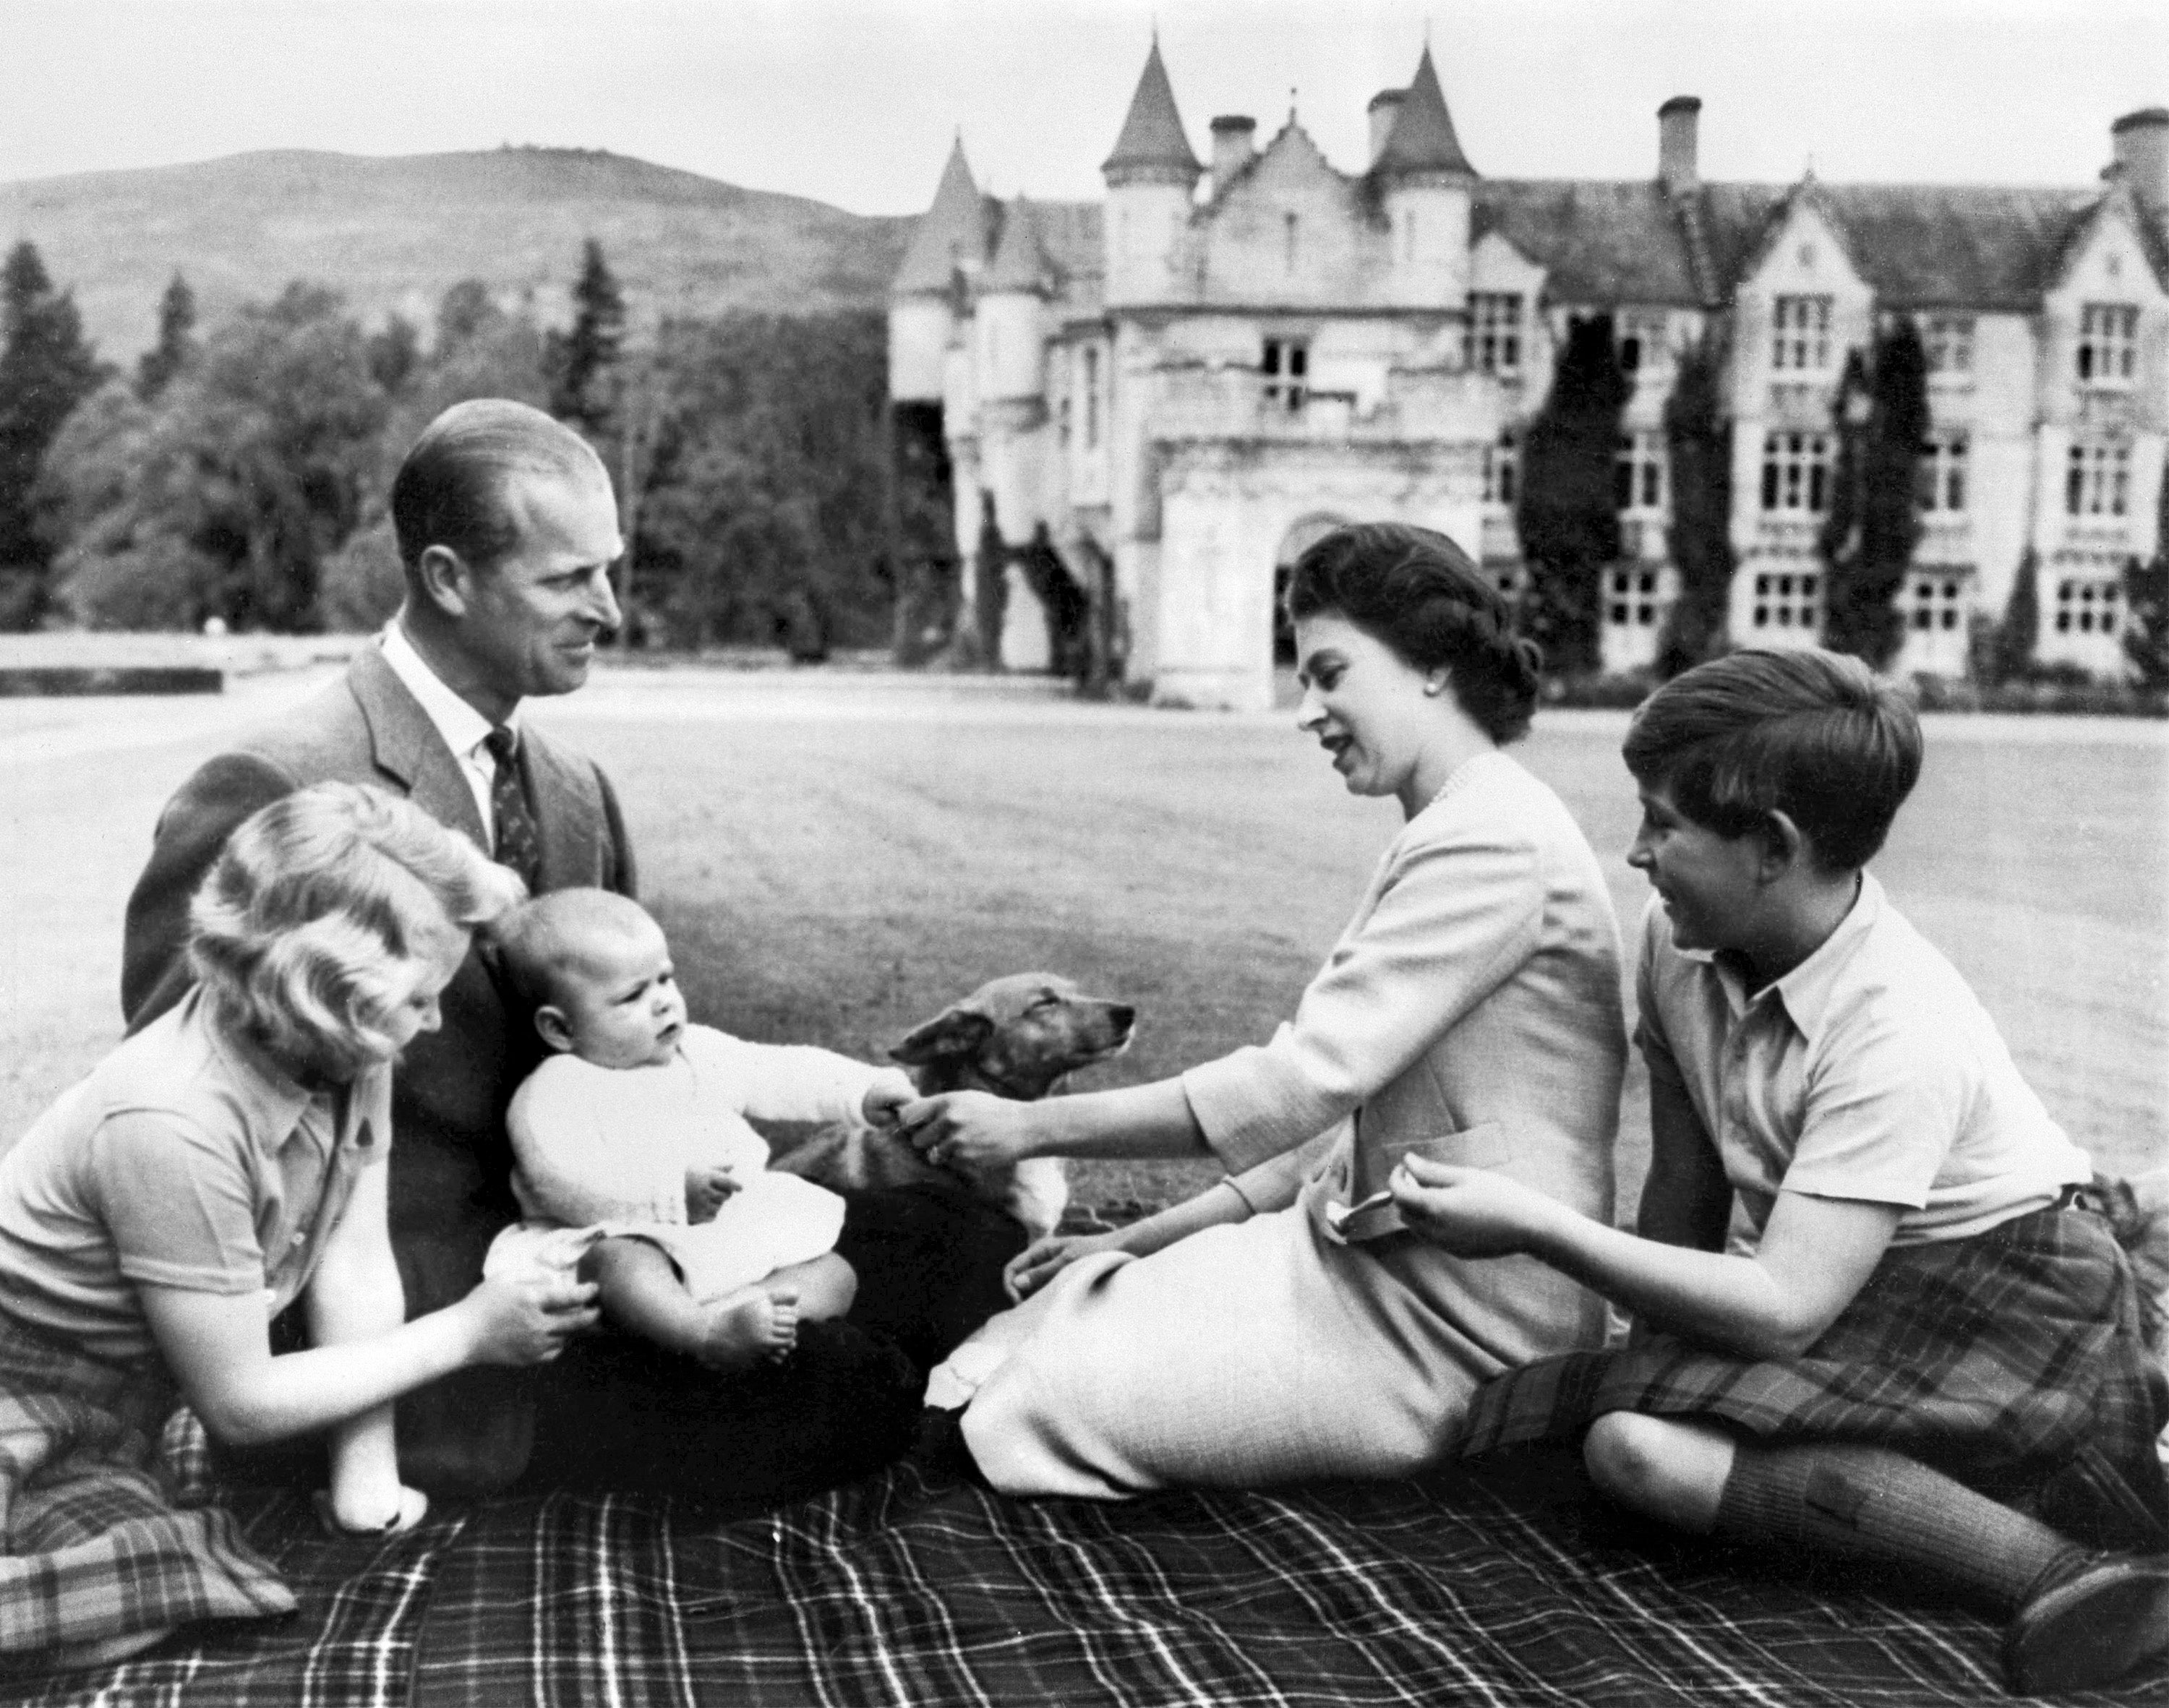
[1873,1507]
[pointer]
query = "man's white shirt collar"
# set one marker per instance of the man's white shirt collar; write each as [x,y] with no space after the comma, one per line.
[459,724]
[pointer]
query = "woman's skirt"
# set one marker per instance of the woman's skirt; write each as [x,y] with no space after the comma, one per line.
[2011,1361]
[99,1558]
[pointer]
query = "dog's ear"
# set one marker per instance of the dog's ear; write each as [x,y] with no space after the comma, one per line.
[952,1032]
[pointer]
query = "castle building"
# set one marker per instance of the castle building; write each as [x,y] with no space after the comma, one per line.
[1181,387]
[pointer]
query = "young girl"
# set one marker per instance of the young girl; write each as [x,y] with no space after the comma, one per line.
[1876,1319]
[224,1162]
[634,1156]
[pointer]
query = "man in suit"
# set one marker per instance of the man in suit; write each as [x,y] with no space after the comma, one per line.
[507,530]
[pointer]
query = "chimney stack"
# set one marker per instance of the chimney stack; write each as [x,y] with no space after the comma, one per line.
[1385,108]
[2141,142]
[1675,144]
[1232,135]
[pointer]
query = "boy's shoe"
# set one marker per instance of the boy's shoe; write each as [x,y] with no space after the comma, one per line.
[2091,1628]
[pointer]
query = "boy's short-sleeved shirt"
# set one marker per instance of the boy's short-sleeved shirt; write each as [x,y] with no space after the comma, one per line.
[1870,1071]
[181,1160]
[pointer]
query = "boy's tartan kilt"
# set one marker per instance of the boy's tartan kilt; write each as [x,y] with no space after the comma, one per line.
[2011,1361]
[96,1554]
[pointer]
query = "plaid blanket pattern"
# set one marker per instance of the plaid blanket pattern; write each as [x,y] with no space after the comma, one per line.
[2011,1360]
[97,1548]
[1504,1585]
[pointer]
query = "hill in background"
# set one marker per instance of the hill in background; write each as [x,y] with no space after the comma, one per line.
[391,235]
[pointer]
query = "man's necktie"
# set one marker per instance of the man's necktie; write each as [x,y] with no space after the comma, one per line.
[518,844]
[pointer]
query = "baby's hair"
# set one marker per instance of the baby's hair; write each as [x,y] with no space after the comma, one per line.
[301,932]
[545,944]
[1810,734]
[1417,592]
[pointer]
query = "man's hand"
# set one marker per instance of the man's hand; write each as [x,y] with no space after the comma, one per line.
[971,1132]
[1472,1212]
[706,1189]
[885,1097]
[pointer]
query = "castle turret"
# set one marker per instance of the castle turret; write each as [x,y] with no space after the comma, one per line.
[1151,177]
[1425,183]
[948,244]
[1012,297]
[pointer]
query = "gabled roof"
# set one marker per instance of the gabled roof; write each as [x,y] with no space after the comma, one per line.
[1598,242]
[1422,139]
[1152,138]
[953,229]
[1019,263]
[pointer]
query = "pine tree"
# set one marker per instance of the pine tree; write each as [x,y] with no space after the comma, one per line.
[2011,656]
[176,344]
[1698,444]
[1567,520]
[1881,415]
[584,357]
[2146,608]
[46,367]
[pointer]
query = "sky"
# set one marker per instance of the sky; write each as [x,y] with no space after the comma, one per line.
[855,101]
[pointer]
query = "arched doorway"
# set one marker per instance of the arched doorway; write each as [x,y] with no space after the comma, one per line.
[1294,543]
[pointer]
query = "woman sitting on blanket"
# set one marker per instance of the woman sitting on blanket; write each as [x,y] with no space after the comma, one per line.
[224,1161]
[1283,1325]
[1880,1320]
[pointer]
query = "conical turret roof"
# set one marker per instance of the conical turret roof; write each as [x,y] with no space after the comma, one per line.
[1422,139]
[1152,138]
[1020,262]
[953,229]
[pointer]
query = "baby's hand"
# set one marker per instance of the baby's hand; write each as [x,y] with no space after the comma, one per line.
[706,1189]
[886,1096]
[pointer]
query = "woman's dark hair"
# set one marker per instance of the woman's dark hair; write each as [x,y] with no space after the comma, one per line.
[1418,592]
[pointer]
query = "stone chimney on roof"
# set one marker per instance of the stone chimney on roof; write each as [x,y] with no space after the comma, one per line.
[1676,122]
[1233,135]
[2141,142]
[1385,108]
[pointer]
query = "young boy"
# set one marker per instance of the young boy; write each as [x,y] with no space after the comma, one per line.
[1876,1320]
[633,1157]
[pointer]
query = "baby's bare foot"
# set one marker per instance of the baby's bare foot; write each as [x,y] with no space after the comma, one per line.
[748,1327]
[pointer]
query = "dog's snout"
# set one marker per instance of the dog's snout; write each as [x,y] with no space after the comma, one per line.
[1122,1014]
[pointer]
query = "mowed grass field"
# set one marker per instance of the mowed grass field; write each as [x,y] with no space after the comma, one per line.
[835,858]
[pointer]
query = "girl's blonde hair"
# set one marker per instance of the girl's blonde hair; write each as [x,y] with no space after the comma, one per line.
[301,932]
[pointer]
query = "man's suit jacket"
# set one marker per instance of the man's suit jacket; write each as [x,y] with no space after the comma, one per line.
[451,1164]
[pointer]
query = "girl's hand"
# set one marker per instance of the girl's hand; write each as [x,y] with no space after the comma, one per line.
[706,1189]
[1043,1259]
[971,1132]
[886,1096]
[1472,1212]
[527,1318]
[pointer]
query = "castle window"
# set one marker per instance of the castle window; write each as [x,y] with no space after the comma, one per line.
[1408,237]
[1637,474]
[1091,398]
[1948,338]
[1643,343]
[1788,600]
[2108,340]
[1494,331]
[2088,605]
[1630,599]
[1289,226]
[1284,364]
[1800,342]
[1796,473]
[2097,478]
[1502,467]
[1934,600]
[1940,475]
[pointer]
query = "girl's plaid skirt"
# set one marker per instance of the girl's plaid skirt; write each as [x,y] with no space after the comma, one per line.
[97,1556]
[2011,1361]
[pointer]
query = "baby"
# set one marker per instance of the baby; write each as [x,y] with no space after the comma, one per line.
[633,1157]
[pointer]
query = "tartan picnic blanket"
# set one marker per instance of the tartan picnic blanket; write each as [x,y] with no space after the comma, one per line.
[1505,1584]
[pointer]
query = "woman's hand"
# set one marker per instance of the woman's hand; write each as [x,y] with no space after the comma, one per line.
[1043,1259]
[527,1318]
[971,1132]
[1472,1212]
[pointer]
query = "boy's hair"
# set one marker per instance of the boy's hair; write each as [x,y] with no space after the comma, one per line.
[1810,734]
[544,943]
[301,933]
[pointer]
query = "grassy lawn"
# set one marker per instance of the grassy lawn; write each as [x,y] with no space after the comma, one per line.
[836,858]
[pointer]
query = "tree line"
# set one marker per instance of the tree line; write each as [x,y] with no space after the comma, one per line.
[238,475]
